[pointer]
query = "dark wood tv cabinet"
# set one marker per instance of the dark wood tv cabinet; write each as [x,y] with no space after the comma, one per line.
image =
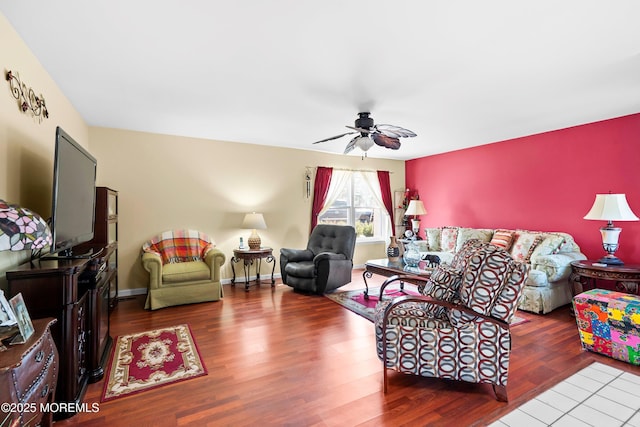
[76,293]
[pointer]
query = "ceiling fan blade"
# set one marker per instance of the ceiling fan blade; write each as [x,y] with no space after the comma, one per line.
[334,137]
[383,135]
[351,145]
[394,131]
[385,141]
[361,130]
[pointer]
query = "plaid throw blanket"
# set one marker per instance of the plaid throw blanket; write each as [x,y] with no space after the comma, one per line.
[179,246]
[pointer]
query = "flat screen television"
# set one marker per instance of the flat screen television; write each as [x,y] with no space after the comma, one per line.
[74,195]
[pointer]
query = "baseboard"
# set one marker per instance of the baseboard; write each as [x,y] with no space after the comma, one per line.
[251,278]
[125,293]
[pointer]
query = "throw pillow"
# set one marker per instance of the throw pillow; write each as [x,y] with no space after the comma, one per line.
[503,239]
[465,234]
[568,245]
[433,237]
[549,245]
[524,245]
[448,239]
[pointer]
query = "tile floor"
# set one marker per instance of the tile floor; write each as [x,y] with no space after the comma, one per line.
[598,395]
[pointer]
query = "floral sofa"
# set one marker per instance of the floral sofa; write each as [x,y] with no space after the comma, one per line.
[549,254]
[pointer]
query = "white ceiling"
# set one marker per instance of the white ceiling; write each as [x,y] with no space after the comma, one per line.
[290,72]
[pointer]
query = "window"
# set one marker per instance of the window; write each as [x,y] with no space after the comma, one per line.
[353,200]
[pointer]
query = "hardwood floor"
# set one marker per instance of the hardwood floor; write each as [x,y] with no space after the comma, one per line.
[277,357]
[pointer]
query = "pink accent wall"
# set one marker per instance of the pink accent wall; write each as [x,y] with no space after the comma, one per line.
[543,182]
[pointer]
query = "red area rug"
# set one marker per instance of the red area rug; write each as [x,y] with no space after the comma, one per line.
[354,301]
[146,360]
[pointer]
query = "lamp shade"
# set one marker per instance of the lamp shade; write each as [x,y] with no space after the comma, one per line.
[611,207]
[22,229]
[254,221]
[416,207]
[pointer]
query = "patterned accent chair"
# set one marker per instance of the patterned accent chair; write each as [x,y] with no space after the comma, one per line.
[325,264]
[184,268]
[458,327]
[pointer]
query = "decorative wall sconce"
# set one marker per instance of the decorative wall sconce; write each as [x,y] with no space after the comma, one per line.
[27,97]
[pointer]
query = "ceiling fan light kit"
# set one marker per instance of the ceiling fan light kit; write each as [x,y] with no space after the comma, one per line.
[363,143]
[369,134]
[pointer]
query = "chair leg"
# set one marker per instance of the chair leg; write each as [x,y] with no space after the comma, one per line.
[501,392]
[384,379]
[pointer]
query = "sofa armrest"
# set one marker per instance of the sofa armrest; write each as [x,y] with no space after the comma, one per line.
[215,258]
[152,262]
[556,266]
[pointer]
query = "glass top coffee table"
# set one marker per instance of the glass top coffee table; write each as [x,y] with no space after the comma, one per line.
[386,268]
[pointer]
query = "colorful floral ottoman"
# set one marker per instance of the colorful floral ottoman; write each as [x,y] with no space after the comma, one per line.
[609,323]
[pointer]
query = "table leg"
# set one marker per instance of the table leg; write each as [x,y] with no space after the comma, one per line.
[628,287]
[366,275]
[247,268]
[272,259]
[258,265]
[233,270]
[580,283]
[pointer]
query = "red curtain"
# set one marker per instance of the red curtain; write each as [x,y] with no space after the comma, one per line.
[320,191]
[385,190]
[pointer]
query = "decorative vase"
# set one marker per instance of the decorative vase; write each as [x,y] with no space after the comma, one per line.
[393,250]
[411,254]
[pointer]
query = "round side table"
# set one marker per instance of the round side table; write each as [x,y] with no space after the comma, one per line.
[585,273]
[248,256]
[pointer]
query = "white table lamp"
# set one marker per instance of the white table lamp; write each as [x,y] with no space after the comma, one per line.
[415,208]
[611,207]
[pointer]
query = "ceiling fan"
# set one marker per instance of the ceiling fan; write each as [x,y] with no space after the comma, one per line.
[370,133]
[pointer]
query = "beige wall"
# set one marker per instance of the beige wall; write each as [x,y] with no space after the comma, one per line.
[164,181]
[27,145]
[167,182]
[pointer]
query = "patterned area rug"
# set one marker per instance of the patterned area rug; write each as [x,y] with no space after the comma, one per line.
[151,359]
[598,395]
[354,301]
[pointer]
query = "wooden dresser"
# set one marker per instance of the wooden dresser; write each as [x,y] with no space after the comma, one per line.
[28,376]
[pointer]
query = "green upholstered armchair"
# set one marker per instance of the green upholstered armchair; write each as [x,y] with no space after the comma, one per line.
[184,268]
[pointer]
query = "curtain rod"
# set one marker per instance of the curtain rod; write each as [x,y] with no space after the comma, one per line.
[344,169]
